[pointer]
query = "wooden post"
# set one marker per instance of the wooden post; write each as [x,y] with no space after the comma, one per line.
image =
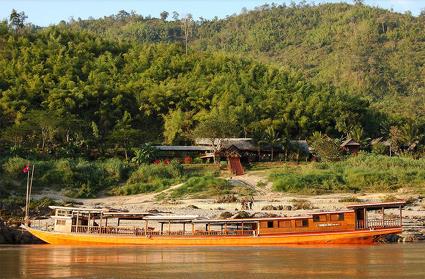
[221,228]
[193,228]
[118,222]
[100,222]
[383,217]
[169,227]
[401,217]
[88,223]
[29,193]
[225,228]
[258,228]
[184,227]
[162,228]
[365,218]
[242,228]
[76,224]
[26,219]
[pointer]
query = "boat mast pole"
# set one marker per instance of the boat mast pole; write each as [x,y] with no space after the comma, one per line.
[30,190]
[26,220]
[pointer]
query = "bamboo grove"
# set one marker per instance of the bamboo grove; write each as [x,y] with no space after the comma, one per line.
[85,87]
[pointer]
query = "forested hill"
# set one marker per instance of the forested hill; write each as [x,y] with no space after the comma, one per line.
[84,86]
[368,51]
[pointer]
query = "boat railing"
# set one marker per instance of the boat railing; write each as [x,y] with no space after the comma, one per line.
[379,223]
[141,231]
[105,230]
[386,223]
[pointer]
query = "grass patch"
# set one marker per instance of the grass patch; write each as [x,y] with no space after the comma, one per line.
[77,177]
[350,199]
[201,187]
[209,187]
[365,172]
[151,178]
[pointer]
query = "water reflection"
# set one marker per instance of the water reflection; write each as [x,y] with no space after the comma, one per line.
[378,261]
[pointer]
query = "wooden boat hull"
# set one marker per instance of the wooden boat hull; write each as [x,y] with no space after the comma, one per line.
[348,237]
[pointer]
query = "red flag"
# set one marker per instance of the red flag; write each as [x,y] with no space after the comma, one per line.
[26,169]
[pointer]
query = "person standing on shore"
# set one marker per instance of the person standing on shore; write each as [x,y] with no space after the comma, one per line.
[251,202]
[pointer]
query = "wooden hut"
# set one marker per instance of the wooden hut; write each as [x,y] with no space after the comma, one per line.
[350,146]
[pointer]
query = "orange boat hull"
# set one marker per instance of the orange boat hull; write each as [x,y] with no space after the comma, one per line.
[348,237]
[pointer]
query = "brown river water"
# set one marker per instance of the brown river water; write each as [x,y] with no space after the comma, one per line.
[374,261]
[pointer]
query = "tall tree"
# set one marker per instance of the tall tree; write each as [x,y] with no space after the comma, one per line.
[215,128]
[271,138]
[164,15]
[17,20]
[187,26]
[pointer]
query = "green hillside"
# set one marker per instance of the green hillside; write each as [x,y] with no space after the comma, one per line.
[371,52]
[84,87]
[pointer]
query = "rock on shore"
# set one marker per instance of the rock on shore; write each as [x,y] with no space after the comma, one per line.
[15,235]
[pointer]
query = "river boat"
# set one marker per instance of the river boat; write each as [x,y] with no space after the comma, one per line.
[91,226]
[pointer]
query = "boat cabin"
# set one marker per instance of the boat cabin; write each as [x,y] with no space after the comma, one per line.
[356,217]
[372,215]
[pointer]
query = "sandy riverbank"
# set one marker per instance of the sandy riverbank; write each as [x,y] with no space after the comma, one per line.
[265,202]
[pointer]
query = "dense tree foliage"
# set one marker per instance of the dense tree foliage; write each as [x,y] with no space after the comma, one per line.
[88,87]
[369,51]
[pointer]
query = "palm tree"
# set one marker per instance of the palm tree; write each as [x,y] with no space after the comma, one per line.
[357,134]
[410,135]
[271,137]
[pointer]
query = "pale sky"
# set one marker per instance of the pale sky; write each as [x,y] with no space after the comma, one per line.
[45,12]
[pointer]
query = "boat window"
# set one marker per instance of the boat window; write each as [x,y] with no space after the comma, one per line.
[269,224]
[320,218]
[61,212]
[301,223]
[337,217]
[285,224]
[60,222]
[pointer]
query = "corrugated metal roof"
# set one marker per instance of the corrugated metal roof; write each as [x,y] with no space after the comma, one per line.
[206,141]
[378,205]
[182,148]
[349,142]
[80,209]
[172,217]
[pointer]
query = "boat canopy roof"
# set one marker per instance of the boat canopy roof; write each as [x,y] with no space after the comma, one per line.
[172,218]
[378,205]
[247,220]
[127,215]
[79,209]
[331,212]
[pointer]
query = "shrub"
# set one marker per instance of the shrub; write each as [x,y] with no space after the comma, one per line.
[390,198]
[367,172]
[326,147]
[350,199]
[13,166]
[308,182]
[148,173]
[205,186]
[115,168]
[372,179]
[380,149]
[151,178]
